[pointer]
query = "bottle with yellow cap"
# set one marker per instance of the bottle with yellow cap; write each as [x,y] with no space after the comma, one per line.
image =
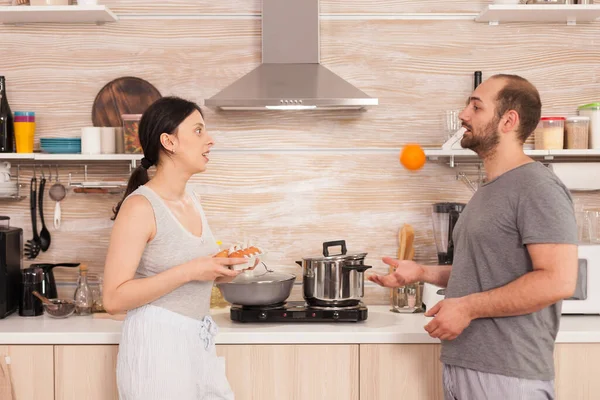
[83,294]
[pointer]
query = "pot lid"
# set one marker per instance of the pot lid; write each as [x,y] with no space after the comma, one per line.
[260,275]
[338,257]
[344,256]
[591,106]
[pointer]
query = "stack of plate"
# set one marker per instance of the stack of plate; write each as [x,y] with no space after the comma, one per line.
[61,145]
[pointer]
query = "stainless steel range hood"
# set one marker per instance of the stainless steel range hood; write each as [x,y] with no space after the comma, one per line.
[290,76]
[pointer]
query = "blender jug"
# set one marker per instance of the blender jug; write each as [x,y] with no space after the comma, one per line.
[444,217]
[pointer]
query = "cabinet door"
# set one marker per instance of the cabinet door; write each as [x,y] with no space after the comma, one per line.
[577,366]
[31,370]
[85,372]
[401,371]
[292,372]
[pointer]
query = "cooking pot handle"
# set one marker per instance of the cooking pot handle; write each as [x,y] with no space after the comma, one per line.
[358,268]
[327,245]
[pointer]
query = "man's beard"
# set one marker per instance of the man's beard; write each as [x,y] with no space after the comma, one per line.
[483,143]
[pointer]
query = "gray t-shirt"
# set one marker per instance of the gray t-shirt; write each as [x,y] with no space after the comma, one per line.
[526,205]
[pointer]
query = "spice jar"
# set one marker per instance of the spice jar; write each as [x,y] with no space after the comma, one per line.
[550,134]
[577,132]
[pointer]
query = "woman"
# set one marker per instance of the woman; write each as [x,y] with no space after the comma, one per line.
[159,267]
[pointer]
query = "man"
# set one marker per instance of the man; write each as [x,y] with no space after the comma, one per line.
[515,258]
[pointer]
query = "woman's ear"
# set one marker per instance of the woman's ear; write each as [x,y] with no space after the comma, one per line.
[168,142]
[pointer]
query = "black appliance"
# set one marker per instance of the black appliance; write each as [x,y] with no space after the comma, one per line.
[11,260]
[298,311]
[444,217]
[32,280]
[49,284]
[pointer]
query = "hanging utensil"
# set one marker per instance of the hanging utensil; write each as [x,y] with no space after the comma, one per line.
[32,247]
[57,193]
[45,238]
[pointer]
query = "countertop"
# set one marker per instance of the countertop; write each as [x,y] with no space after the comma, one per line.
[381,326]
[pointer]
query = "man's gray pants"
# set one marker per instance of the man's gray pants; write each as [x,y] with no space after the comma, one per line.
[467,384]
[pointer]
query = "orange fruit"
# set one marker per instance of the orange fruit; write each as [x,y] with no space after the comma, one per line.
[412,157]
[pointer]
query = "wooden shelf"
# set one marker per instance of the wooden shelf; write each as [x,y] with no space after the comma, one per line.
[56,14]
[69,157]
[567,13]
[469,156]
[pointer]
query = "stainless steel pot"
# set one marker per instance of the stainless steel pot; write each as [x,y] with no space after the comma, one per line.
[333,280]
[258,287]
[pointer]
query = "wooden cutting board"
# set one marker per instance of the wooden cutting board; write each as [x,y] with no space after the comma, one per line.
[125,95]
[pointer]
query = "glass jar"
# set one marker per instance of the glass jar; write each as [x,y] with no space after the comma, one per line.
[550,133]
[577,132]
[593,112]
[131,139]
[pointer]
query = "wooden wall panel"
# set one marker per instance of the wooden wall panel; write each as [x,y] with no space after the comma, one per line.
[415,75]
[291,180]
[179,7]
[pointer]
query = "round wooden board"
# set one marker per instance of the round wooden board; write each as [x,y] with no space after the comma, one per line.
[125,95]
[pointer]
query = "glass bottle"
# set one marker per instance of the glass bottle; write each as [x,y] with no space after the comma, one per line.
[7,128]
[83,294]
[98,306]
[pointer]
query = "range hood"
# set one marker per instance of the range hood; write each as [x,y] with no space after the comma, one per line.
[290,76]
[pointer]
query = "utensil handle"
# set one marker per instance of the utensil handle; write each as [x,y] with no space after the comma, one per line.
[334,243]
[41,200]
[42,298]
[359,268]
[57,215]
[33,198]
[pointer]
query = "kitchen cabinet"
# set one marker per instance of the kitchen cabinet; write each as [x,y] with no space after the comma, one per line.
[85,372]
[292,372]
[414,370]
[394,371]
[31,371]
[577,367]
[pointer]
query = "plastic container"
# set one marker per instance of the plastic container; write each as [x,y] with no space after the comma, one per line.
[24,131]
[577,131]
[550,133]
[131,124]
[593,111]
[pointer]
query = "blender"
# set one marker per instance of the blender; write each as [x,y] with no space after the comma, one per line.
[444,218]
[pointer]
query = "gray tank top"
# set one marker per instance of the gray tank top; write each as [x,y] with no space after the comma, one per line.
[174,245]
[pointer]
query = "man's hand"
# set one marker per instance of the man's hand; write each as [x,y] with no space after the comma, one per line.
[452,316]
[406,272]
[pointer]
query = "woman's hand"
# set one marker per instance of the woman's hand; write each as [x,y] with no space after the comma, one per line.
[213,268]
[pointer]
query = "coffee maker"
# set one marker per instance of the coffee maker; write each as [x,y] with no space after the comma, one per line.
[444,217]
[11,260]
